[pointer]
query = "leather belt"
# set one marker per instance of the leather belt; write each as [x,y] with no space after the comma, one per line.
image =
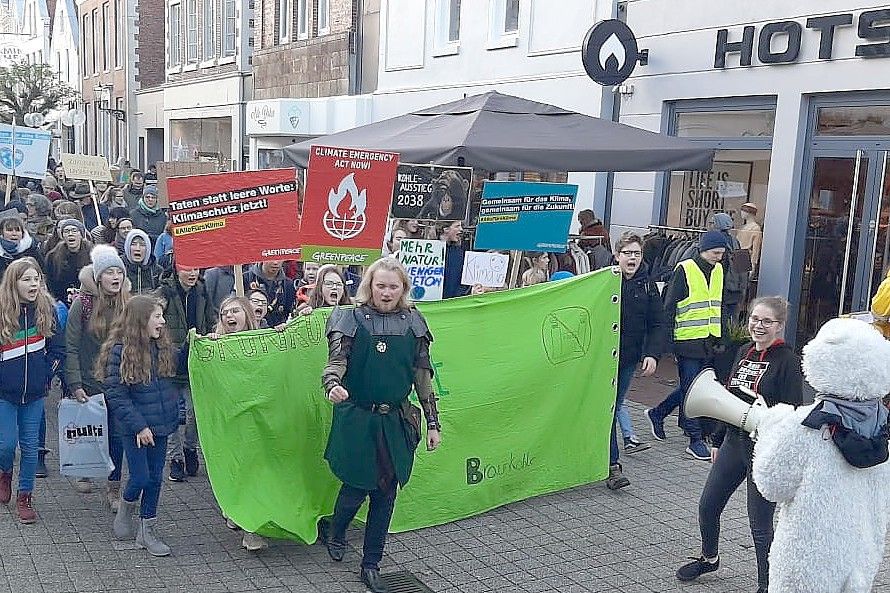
[383,408]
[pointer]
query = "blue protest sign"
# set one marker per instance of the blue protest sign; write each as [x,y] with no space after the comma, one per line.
[526,216]
[30,154]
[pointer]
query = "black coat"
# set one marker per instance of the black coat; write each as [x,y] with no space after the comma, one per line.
[642,318]
[63,270]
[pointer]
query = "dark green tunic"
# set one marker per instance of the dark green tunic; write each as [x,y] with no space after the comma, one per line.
[380,369]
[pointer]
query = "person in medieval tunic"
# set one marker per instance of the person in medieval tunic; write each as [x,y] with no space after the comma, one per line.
[378,351]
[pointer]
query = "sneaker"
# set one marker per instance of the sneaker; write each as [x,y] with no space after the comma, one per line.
[191,461]
[616,479]
[656,424]
[253,542]
[633,445]
[177,471]
[699,450]
[696,568]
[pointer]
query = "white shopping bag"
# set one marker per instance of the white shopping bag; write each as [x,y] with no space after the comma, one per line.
[83,438]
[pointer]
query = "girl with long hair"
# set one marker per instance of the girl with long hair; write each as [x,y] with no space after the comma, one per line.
[137,364]
[30,349]
[104,291]
[329,290]
[15,242]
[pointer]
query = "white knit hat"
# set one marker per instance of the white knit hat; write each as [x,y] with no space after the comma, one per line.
[105,257]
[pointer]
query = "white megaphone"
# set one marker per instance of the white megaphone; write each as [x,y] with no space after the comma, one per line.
[707,397]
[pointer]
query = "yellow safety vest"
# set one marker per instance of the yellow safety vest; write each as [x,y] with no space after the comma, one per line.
[698,315]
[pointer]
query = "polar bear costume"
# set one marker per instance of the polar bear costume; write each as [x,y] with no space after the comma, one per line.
[832,516]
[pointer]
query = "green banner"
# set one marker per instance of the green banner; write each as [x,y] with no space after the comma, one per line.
[526,381]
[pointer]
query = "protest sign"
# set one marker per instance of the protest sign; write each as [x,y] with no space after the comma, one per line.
[524,215]
[487,269]
[431,192]
[505,390]
[168,169]
[348,193]
[86,167]
[425,262]
[232,218]
[31,151]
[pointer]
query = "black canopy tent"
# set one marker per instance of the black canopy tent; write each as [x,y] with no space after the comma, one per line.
[498,132]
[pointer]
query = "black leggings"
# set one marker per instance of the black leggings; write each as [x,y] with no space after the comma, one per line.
[733,465]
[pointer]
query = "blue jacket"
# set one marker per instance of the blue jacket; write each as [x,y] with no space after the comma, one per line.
[154,405]
[27,363]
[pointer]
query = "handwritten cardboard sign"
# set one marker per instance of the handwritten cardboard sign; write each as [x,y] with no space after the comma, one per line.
[487,269]
[425,262]
[86,167]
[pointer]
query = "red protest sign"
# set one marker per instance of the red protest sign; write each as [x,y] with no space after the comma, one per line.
[348,194]
[224,219]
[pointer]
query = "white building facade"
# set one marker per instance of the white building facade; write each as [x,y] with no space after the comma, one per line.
[65,61]
[795,96]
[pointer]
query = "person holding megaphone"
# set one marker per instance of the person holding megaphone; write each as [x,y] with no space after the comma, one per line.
[768,370]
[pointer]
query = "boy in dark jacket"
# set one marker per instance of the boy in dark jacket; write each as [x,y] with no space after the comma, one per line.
[186,306]
[270,276]
[642,341]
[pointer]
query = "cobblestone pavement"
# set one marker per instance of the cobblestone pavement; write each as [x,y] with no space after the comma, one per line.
[583,540]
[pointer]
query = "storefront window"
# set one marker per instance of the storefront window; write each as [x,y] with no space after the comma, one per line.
[726,124]
[201,139]
[270,158]
[867,120]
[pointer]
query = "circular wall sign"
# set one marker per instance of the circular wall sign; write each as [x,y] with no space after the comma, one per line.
[609,52]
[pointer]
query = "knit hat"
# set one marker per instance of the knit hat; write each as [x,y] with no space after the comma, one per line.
[137,234]
[712,240]
[53,195]
[118,212]
[723,221]
[105,257]
[69,222]
[150,190]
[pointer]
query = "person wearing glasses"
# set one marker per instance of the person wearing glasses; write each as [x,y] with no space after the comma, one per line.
[766,368]
[329,291]
[642,341]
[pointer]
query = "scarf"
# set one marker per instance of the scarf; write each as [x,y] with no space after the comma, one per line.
[16,247]
[858,428]
[146,209]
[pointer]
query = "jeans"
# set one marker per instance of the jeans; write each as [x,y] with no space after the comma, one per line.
[185,437]
[625,375]
[688,369]
[20,426]
[115,448]
[146,474]
[733,465]
[379,515]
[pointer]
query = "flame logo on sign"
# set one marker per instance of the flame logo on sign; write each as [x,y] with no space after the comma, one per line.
[346,220]
[612,54]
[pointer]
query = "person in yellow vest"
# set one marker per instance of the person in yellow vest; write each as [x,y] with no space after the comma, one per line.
[693,302]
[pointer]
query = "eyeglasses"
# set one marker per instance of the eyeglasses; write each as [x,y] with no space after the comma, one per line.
[332,284]
[260,302]
[628,253]
[762,321]
[232,311]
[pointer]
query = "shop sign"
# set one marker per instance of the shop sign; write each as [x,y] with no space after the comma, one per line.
[722,189]
[610,52]
[346,206]
[872,26]
[224,219]
[276,117]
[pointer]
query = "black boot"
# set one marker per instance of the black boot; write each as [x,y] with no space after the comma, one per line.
[191,461]
[41,465]
[371,578]
[336,549]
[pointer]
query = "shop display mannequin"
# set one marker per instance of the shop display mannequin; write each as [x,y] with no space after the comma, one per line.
[750,235]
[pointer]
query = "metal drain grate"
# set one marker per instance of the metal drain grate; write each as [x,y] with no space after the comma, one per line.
[404,582]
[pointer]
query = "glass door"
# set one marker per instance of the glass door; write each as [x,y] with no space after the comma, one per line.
[833,233]
[877,263]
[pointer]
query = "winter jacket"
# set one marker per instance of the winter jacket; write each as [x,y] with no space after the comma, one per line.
[154,405]
[676,291]
[163,251]
[132,195]
[89,216]
[220,283]
[27,247]
[454,265]
[29,361]
[143,278]
[81,345]
[281,293]
[152,223]
[178,303]
[642,318]
[63,270]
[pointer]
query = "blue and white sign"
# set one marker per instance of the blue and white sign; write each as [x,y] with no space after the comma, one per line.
[525,215]
[424,260]
[31,151]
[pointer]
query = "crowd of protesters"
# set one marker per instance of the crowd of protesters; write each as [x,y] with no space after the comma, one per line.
[90,294]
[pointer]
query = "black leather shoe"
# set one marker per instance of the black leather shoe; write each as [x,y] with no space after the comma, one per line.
[371,578]
[336,550]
